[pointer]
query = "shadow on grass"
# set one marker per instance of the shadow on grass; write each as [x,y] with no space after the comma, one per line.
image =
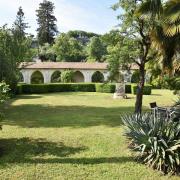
[29,97]
[26,150]
[35,116]
[20,149]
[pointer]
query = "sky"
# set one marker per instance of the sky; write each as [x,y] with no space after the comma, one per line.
[88,15]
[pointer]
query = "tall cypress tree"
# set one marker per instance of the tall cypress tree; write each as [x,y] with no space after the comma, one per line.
[20,40]
[19,26]
[47,22]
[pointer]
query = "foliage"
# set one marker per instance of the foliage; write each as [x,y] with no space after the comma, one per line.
[66,87]
[135,77]
[157,140]
[137,30]
[56,87]
[96,50]
[11,52]
[98,77]
[146,90]
[46,53]
[82,36]
[37,78]
[67,76]
[68,49]
[47,22]
[3,97]
[56,77]
[105,88]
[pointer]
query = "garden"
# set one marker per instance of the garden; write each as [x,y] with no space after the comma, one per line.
[84,105]
[72,135]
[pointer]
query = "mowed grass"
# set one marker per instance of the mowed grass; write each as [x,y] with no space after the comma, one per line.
[71,136]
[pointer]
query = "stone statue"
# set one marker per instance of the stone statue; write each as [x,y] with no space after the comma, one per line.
[120,89]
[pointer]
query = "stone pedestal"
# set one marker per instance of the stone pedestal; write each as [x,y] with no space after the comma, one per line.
[120,91]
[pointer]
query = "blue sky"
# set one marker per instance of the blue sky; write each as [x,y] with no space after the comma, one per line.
[89,15]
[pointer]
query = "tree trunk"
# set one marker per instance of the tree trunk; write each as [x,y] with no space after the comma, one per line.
[139,95]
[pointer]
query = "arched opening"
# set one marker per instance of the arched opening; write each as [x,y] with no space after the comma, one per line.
[98,77]
[56,77]
[78,77]
[20,77]
[37,78]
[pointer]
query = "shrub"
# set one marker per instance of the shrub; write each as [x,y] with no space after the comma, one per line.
[105,88]
[67,76]
[128,88]
[156,139]
[3,96]
[135,77]
[61,87]
[146,91]
[156,83]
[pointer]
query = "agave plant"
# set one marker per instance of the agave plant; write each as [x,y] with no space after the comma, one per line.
[156,139]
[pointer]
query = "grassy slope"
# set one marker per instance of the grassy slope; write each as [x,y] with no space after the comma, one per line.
[71,136]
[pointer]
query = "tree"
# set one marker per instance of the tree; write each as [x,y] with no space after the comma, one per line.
[139,29]
[67,76]
[121,55]
[165,35]
[96,50]
[68,49]
[20,41]
[3,96]
[47,22]
[19,26]
[46,53]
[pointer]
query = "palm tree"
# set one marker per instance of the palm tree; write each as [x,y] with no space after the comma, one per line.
[166,32]
[172,17]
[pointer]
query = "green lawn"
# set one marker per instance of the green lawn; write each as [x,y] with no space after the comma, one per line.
[71,136]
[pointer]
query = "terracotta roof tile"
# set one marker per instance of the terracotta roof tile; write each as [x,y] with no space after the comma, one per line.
[67,65]
[63,65]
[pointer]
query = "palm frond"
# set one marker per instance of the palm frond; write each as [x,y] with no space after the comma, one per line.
[172,17]
[150,8]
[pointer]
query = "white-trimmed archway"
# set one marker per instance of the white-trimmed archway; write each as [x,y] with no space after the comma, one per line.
[37,77]
[78,77]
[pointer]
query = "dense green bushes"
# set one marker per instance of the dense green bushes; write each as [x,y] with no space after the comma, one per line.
[71,87]
[46,88]
[105,88]
[147,89]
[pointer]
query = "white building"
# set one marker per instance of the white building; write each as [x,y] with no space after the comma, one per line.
[83,72]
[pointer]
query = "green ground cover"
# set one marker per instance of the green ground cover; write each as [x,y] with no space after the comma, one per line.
[71,136]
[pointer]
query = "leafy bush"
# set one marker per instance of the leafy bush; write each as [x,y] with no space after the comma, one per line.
[156,83]
[105,88]
[67,87]
[146,91]
[46,88]
[67,76]
[135,77]
[156,139]
[128,88]
[3,96]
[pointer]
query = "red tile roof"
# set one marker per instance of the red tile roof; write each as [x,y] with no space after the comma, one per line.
[67,65]
[63,65]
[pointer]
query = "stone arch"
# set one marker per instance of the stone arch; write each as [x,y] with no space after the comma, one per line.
[56,77]
[97,77]
[78,77]
[37,77]
[20,77]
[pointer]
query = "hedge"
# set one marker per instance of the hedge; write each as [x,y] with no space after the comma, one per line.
[105,88]
[74,87]
[60,87]
[146,91]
